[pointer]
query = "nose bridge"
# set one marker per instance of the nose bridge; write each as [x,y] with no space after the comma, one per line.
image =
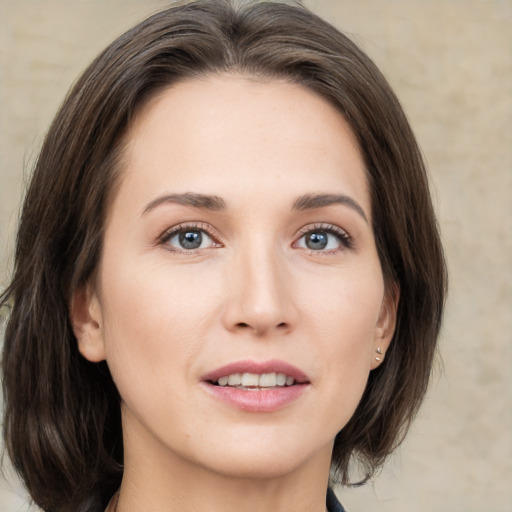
[260,298]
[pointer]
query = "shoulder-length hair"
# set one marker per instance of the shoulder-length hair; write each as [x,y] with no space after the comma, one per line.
[62,414]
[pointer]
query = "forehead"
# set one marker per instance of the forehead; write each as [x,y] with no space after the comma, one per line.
[243,132]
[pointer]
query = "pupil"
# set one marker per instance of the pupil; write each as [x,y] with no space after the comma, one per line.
[316,241]
[191,239]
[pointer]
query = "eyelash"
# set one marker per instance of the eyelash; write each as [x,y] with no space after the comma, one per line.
[341,235]
[195,226]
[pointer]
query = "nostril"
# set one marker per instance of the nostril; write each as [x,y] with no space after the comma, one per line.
[242,324]
[282,325]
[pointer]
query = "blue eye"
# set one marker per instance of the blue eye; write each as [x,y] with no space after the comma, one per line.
[188,239]
[317,241]
[324,239]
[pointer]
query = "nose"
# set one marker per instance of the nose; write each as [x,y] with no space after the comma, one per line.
[260,298]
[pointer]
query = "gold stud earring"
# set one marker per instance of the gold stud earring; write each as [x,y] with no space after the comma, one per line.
[379,351]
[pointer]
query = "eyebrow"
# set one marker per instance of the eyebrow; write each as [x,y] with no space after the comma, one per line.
[202,201]
[311,201]
[216,203]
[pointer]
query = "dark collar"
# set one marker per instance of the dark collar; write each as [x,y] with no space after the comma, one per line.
[333,505]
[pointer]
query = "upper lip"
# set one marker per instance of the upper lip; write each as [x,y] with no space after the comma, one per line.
[258,367]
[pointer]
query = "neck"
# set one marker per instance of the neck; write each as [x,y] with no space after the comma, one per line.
[158,479]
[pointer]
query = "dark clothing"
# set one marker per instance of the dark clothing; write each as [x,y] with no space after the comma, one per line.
[333,505]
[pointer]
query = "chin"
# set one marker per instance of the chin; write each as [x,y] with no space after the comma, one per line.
[272,459]
[261,468]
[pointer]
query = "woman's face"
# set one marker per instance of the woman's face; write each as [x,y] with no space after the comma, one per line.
[239,244]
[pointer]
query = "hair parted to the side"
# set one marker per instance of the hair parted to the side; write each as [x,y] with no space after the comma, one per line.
[62,423]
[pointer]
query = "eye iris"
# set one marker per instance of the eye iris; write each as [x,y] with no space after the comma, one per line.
[316,240]
[190,239]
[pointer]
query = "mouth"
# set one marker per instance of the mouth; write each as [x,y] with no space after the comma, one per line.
[255,381]
[257,386]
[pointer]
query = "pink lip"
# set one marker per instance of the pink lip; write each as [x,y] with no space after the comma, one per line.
[264,400]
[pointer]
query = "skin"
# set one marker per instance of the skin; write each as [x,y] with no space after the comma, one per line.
[162,316]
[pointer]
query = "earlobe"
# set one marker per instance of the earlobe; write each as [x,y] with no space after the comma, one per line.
[386,324]
[86,319]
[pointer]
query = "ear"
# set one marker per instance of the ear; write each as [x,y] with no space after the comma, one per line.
[386,324]
[86,319]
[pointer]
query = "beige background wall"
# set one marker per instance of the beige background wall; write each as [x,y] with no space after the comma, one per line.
[451,64]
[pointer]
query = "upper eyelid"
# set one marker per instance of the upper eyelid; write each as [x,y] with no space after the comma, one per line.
[325,227]
[192,226]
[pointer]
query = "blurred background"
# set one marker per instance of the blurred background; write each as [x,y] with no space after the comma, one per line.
[450,62]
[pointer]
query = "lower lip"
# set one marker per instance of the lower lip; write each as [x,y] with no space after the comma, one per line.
[261,400]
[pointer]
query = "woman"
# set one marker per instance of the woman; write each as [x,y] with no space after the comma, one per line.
[228,279]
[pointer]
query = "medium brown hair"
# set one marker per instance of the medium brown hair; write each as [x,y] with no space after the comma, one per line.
[62,415]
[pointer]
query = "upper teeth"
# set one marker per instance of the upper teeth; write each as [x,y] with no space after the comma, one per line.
[264,380]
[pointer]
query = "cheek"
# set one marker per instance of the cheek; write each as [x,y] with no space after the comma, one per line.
[155,319]
[344,305]
[341,316]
